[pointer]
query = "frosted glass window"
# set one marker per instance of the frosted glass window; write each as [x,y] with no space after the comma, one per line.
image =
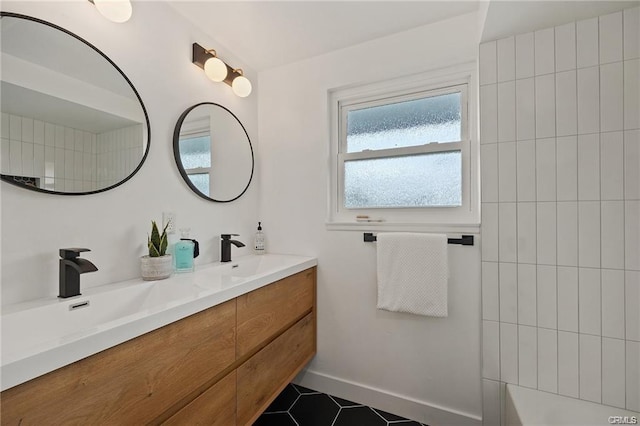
[426,180]
[403,124]
[195,152]
[200,181]
[401,152]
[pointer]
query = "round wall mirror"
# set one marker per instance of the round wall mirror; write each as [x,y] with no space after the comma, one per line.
[213,152]
[72,122]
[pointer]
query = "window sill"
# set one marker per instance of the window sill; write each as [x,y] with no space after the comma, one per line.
[445,228]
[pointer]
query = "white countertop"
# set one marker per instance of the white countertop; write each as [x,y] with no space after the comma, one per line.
[42,335]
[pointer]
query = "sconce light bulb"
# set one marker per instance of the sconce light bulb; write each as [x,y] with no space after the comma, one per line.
[215,69]
[118,11]
[241,86]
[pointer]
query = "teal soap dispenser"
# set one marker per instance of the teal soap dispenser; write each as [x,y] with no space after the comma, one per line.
[185,251]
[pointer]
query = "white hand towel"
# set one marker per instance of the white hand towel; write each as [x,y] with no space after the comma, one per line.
[412,273]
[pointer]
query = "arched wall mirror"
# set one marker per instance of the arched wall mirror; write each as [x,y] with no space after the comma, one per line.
[213,152]
[72,122]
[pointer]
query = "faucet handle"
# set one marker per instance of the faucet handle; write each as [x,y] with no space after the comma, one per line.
[72,253]
[227,236]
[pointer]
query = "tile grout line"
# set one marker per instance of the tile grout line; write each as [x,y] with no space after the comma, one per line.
[600,197]
[624,236]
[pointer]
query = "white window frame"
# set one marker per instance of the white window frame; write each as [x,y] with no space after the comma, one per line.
[195,129]
[455,218]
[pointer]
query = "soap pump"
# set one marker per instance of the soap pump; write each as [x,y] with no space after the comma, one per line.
[259,241]
[185,251]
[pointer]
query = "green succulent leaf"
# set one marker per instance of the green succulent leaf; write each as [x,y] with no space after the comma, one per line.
[153,252]
[157,242]
[155,235]
[154,240]
[163,244]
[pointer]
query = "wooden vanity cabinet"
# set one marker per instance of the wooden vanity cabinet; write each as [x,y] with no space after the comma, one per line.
[215,407]
[276,338]
[264,375]
[133,382]
[267,311]
[222,366]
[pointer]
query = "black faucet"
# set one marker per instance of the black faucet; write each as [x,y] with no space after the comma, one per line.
[71,266]
[225,248]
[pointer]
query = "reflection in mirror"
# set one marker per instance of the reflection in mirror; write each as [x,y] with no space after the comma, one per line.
[72,123]
[213,152]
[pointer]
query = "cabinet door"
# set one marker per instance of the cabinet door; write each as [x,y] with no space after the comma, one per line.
[265,312]
[134,382]
[265,374]
[215,407]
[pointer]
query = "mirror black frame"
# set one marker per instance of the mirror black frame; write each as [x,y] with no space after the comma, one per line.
[8,179]
[176,152]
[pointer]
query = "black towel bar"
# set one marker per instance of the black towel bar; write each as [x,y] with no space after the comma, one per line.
[466,240]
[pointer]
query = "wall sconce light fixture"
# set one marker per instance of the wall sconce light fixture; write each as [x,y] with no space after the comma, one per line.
[118,11]
[218,70]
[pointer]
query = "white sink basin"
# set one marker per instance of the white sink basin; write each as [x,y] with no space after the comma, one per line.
[255,265]
[42,335]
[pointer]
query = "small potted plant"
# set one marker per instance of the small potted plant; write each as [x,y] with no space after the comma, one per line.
[157,265]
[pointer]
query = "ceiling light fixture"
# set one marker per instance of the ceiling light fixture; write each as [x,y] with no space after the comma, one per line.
[218,70]
[118,11]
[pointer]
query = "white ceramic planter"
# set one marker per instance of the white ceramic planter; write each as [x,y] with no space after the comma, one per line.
[156,268]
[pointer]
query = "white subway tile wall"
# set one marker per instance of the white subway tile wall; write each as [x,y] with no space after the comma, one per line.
[632,372]
[567,235]
[527,240]
[489,177]
[568,355]
[590,368]
[66,159]
[490,292]
[612,166]
[561,220]
[507,172]
[508,279]
[491,350]
[565,39]
[568,299]
[548,360]
[525,109]
[506,59]
[631,85]
[527,358]
[613,303]
[508,353]
[507,111]
[527,296]
[489,113]
[525,170]
[566,103]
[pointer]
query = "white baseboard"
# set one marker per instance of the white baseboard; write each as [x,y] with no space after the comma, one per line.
[421,411]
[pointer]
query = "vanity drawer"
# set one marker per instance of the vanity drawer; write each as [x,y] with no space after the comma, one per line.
[215,407]
[265,312]
[134,382]
[262,377]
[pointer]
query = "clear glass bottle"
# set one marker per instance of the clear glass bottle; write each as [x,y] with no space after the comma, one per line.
[259,246]
[184,252]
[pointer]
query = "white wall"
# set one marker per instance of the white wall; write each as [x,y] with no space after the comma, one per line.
[560,149]
[424,368]
[154,50]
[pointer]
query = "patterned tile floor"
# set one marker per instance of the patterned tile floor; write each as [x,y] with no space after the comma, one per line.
[299,406]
